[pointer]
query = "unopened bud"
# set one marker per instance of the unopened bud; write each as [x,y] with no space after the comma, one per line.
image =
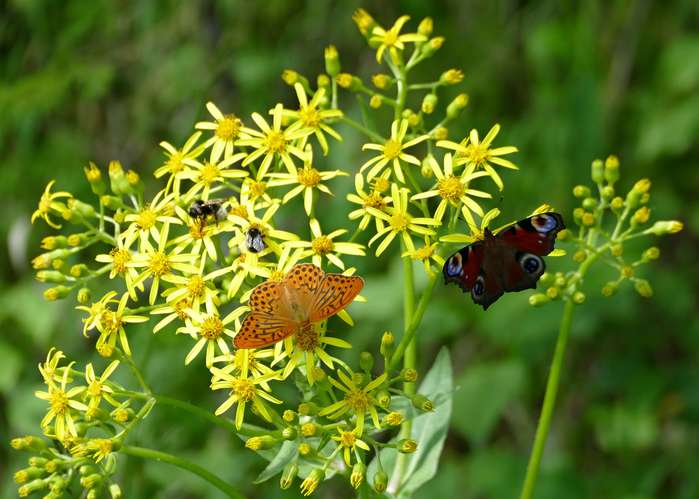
[348,81]
[429,102]
[288,475]
[366,361]
[332,61]
[423,403]
[387,341]
[425,27]
[662,227]
[117,179]
[538,299]
[383,398]
[309,429]
[289,416]
[633,198]
[611,169]
[451,77]
[358,474]
[375,101]
[409,375]
[597,171]
[394,418]
[307,409]
[581,191]
[51,276]
[94,177]
[441,133]
[432,45]
[589,203]
[457,105]
[406,446]
[260,443]
[617,203]
[56,293]
[643,288]
[578,297]
[289,433]
[652,253]
[381,81]
[380,481]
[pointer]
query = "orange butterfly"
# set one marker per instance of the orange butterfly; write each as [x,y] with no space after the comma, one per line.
[305,295]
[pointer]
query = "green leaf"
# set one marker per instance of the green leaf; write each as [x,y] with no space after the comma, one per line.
[484,392]
[286,453]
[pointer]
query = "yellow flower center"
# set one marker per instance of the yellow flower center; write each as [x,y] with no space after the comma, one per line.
[240,211]
[257,189]
[424,253]
[374,200]
[275,142]
[277,275]
[309,116]
[357,400]
[197,230]
[174,163]
[181,309]
[381,184]
[111,321]
[159,264]
[399,222]
[121,415]
[211,328]
[45,203]
[103,445]
[309,177]
[120,257]
[450,188]
[322,245]
[59,401]
[228,128]
[307,337]
[244,390]
[392,149]
[348,439]
[390,38]
[195,285]
[209,173]
[477,154]
[146,219]
[94,389]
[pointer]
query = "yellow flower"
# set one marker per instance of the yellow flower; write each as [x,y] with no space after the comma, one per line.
[311,117]
[48,203]
[241,391]
[244,361]
[274,271]
[477,154]
[324,246]
[205,175]
[62,405]
[400,222]
[349,441]
[358,399]
[143,223]
[392,151]
[209,329]
[309,485]
[119,258]
[255,191]
[273,142]
[228,129]
[175,164]
[392,40]
[453,189]
[158,264]
[49,369]
[195,289]
[100,448]
[96,387]
[425,254]
[246,219]
[111,325]
[371,199]
[308,179]
[199,239]
[476,231]
[173,310]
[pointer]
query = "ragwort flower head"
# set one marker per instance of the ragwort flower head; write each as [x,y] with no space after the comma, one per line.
[48,203]
[392,152]
[311,116]
[227,128]
[392,40]
[358,399]
[62,407]
[175,164]
[324,246]
[371,199]
[243,390]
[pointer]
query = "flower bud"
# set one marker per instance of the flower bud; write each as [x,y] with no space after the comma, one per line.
[383,398]
[457,105]
[366,361]
[134,180]
[441,133]
[307,409]
[611,169]
[581,191]
[261,442]
[578,297]
[332,61]
[578,214]
[425,27]
[579,256]
[115,491]
[451,77]
[423,403]
[560,279]
[53,242]
[641,216]
[387,341]
[538,299]
[406,446]
[319,375]
[112,202]
[288,475]
[553,292]
[597,171]
[289,433]
[291,78]
[358,473]
[52,276]
[627,271]
[117,179]
[394,418]
[589,203]
[84,295]
[380,481]
[381,81]
[80,210]
[588,219]
[309,429]
[364,22]
[617,249]
[432,46]
[652,253]
[607,192]
[617,204]
[56,293]
[78,270]
[408,375]
[289,416]
[312,480]
[348,81]
[37,461]
[662,227]
[429,102]
[57,264]
[643,288]
[375,101]
[305,449]
[94,177]
[91,481]
[23,476]
[323,81]
[33,486]
[633,198]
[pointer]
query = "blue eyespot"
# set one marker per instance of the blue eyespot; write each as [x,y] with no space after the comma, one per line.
[543,222]
[454,265]
[531,264]
[478,287]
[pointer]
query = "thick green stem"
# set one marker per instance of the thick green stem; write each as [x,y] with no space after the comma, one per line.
[542,430]
[185,465]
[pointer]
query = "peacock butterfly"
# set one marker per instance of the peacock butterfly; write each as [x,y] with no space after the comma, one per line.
[507,261]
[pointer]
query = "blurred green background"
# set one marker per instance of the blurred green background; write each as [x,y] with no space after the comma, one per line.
[568,81]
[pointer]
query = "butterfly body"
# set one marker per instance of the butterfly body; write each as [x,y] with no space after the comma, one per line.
[279,309]
[510,260]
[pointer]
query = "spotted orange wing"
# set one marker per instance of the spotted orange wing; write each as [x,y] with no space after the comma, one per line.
[261,329]
[266,297]
[334,293]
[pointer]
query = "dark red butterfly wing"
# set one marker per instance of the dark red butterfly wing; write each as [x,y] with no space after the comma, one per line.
[464,266]
[535,234]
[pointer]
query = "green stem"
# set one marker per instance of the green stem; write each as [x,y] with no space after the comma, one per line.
[185,465]
[544,425]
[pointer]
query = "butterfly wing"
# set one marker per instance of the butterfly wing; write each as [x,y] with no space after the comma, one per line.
[464,266]
[266,297]
[334,293]
[524,244]
[302,282]
[261,329]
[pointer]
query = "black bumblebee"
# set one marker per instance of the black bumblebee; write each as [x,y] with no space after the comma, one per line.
[201,210]
[254,240]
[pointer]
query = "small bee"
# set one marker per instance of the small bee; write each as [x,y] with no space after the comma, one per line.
[254,240]
[201,210]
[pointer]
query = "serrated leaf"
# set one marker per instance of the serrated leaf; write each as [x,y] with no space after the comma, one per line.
[286,453]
